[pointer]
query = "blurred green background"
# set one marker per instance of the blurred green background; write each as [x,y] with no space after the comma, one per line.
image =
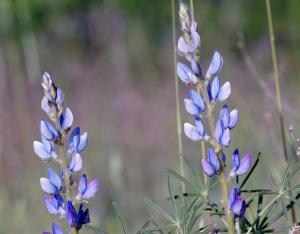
[113,59]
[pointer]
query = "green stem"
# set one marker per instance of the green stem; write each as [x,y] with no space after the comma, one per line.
[217,148]
[178,115]
[277,90]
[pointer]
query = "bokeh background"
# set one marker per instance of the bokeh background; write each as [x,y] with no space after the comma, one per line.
[113,59]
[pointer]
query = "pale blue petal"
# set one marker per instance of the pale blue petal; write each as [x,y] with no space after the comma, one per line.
[225,139]
[92,188]
[234,118]
[219,130]
[190,107]
[83,142]
[196,68]
[66,119]
[39,149]
[225,116]
[182,46]
[191,132]
[195,43]
[59,97]
[197,100]
[215,88]
[48,131]
[82,186]
[76,163]
[225,92]
[45,105]
[47,186]
[50,206]
[215,65]
[74,138]
[213,159]
[54,178]
[207,167]
[245,165]
[186,74]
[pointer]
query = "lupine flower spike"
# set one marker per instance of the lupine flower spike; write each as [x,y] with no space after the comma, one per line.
[59,186]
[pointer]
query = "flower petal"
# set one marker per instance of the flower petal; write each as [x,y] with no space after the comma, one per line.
[83,142]
[56,229]
[39,149]
[82,186]
[234,118]
[191,132]
[207,167]
[215,65]
[92,188]
[48,131]
[225,92]
[225,116]
[215,88]
[47,186]
[233,194]
[213,159]
[66,119]
[190,107]
[197,100]
[219,130]
[186,74]
[182,46]
[76,163]
[74,138]
[245,165]
[54,178]
[225,139]
[238,208]
[199,125]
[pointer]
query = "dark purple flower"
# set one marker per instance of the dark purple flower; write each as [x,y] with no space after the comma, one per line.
[236,203]
[76,219]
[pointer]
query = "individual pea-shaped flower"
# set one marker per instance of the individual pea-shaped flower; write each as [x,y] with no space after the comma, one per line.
[48,131]
[236,203]
[52,184]
[77,142]
[66,120]
[218,93]
[194,105]
[212,165]
[240,167]
[196,68]
[76,162]
[76,219]
[86,190]
[52,93]
[215,65]
[188,47]
[195,133]
[222,134]
[55,204]
[186,74]
[45,149]
[55,230]
[231,119]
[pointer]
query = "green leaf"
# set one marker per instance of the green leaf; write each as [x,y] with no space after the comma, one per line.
[121,219]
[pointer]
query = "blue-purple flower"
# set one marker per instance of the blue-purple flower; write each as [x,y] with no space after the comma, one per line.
[215,65]
[231,119]
[45,149]
[194,105]
[76,163]
[52,184]
[240,166]
[48,131]
[212,165]
[77,142]
[218,92]
[55,230]
[195,133]
[76,219]
[222,134]
[55,204]
[66,120]
[236,203]
[186,74]
[86,190]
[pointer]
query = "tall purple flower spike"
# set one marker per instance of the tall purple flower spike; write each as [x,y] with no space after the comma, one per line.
[236,203]
[212,165]
[240,167]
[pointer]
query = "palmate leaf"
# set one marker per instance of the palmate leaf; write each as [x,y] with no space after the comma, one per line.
[159,210]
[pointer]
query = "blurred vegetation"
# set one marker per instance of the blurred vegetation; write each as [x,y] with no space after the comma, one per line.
[113,58]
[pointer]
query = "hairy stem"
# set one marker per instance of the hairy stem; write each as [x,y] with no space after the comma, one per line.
[277,90]
[178,115]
